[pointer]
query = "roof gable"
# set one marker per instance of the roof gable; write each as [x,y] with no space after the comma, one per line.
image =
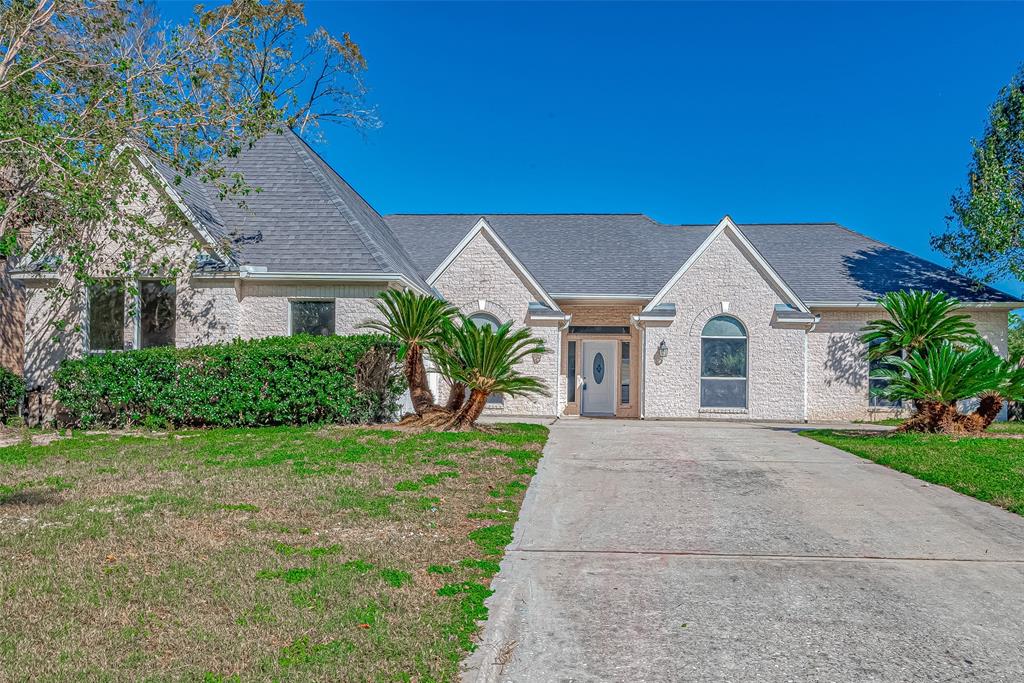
[728,229]
[483,228]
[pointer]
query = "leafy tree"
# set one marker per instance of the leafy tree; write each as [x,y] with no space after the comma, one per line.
[985,233]
[917,320]
[417,322]
[485,360]
[85,85]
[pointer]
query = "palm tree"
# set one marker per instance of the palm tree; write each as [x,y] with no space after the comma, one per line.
[917,320]
[417,322]
[484,360]
[936,378]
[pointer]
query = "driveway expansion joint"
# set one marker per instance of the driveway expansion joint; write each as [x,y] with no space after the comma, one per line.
[760,556]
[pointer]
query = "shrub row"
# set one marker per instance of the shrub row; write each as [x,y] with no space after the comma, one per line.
[12,393]
[272,381]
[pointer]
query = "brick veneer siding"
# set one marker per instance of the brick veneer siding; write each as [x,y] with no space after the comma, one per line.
[775,366]
[837,387]
[481,274]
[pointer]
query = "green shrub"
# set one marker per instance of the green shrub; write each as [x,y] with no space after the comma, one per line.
[12,392]
[272,381]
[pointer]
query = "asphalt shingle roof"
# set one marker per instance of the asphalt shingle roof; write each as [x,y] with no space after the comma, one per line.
[630,254]
[307,219]
[304,219]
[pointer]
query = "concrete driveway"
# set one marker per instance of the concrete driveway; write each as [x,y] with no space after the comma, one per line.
[669,551]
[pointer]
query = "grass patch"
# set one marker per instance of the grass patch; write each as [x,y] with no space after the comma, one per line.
[989,469]
[254,554]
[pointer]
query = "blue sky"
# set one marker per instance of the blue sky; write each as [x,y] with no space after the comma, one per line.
[857,113]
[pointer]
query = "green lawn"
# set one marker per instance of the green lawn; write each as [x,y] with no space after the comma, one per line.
[277,553]
[988,468]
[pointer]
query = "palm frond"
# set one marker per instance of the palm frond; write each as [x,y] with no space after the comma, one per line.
[918,319]
[486,359]
[410,318]
[944,374]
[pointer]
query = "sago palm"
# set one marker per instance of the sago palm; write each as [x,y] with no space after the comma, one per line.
[938,378]
[485,360]
[917,320]
[417,322]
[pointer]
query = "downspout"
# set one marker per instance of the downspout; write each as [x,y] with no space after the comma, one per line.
[807,334]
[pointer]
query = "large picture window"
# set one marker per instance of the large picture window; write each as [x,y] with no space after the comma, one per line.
[106,316]
[156,314]
[723,364]
[313,317]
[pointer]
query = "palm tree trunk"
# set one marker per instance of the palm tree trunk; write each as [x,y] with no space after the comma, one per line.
[456,397]
[470,411]
[416,376]
[988,410]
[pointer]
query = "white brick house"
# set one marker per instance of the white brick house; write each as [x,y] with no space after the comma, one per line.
[641,319]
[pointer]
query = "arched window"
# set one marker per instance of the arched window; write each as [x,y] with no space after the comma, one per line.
[480,320]
[723,364]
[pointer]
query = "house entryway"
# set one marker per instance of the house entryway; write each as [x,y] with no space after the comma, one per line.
[598,378]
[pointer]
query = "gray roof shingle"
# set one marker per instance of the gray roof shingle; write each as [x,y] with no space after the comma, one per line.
[304,219]
[630,254]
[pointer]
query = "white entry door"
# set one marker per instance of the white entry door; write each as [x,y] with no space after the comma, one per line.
[598,377]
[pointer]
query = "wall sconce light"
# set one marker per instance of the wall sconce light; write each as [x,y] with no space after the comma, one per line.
[662,350]
[536,357]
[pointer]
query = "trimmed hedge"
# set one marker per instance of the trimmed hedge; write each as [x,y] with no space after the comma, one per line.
[12,393]
[272,381]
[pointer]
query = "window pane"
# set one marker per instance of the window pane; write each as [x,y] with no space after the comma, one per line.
[571,362]
[157,314]
[723,393]
[313,317]
[624,374]
[723,326]
[723,358]
[106,316]
[483,319]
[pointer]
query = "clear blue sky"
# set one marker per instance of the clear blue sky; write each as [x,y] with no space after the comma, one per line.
[857,113]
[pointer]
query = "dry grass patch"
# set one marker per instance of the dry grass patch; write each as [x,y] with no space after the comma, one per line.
[278,553]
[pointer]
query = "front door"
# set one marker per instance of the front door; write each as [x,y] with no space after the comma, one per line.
[598,376]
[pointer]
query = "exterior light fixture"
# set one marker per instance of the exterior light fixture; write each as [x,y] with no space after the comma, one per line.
[662,350]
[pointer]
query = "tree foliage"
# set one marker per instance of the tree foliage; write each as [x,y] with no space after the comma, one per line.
[81,81]
[916,320]
[985,232]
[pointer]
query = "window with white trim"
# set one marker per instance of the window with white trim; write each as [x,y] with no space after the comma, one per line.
[312,317]
[105,323]
[723,364]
